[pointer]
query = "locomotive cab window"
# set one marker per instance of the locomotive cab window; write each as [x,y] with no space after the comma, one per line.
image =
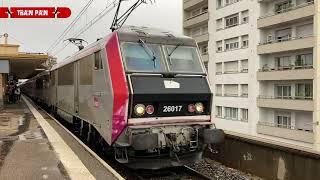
[183,59]
[142,57]
[97,61]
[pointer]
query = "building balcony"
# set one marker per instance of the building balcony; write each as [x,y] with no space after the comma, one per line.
[289,44]
[286,73]
[190,4]
[196,20]
[293,103]
[294,13]
[292,133]
[201,38]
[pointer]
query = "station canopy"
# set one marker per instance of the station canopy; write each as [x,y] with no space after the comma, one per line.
[21,65]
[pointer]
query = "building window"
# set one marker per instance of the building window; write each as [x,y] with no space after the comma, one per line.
[204,9]
[231,90]
[283,91]
[231,67]
[218,68]
[195,12]
[283,6]
[219,46]
[245,43]
[232,20]
[244,115]
[198,11]
[283,62]
[204,49]
[206,64]
[304,91]
[244,90]
[244,66]
[218,111]
[283,35]
[219,24]
[219,3]
[231,44]
[228,2]
[245,16]
[245,20]
[283,120]
[195,32]
[231,113]
[204,30]
[304,60]
[218,89]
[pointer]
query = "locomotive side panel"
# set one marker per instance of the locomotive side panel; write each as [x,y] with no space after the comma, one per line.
[65,92]
[85,88]
[102,96]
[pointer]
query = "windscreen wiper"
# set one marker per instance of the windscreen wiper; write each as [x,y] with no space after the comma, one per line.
[149,52]
[175,48]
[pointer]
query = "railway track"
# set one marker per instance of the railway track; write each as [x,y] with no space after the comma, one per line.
[182,172]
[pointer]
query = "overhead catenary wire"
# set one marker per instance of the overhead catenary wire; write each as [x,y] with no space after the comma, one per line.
[87,26]
[69,27]
[98,17]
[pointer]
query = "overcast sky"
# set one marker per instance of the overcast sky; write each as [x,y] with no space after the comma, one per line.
[36,35]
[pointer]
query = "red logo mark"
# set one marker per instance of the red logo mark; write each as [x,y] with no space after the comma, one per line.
[4,12]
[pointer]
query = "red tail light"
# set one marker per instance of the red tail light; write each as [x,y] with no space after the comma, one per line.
[150,109]
[191,108]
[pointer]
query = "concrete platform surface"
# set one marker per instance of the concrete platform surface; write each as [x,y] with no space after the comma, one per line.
[25,152]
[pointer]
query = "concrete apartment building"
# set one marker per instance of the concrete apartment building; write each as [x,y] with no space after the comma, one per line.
[262,66]
[195,24]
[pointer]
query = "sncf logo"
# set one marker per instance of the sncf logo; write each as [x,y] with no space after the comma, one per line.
[170,84]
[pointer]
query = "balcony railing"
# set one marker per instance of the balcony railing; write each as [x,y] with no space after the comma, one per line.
[286,97]
[306,127]
[285,68]
[290,8]
[205,12]
[283,39]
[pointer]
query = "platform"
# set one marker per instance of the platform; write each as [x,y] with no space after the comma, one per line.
[31,149]
[25,150]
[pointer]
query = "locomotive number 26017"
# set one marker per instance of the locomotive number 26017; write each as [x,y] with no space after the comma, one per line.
[168,109]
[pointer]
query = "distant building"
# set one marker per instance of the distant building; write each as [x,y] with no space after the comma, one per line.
[16,65]
[263,65]
[195,24]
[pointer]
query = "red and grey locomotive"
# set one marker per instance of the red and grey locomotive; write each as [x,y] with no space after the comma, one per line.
[144,91]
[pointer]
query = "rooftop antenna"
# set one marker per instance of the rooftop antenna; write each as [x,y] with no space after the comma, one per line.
[78,42]
[119,20]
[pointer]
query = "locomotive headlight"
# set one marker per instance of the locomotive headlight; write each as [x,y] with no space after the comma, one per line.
[199,107]
[139,109]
